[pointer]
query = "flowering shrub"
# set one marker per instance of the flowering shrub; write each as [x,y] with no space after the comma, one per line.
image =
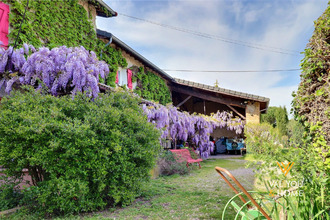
[82,155]
[168,165]
[181,125]
[60,70]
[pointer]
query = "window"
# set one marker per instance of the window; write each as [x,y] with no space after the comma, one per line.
[122,77]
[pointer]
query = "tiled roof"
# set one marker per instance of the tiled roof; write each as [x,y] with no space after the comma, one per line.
[222,90]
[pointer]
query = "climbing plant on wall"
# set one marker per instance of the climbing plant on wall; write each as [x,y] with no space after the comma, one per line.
[114,58]
[151,87]
[311,107]
[57,23]
[311,102]
[51,23]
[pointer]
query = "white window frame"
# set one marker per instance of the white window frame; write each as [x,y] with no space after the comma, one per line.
[122,77]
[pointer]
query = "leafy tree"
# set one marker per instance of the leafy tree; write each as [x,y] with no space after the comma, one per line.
[82,155]
[277,117]
[296,133]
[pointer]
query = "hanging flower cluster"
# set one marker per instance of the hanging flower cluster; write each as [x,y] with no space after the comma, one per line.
[183,126]
[60,69]
[75,69]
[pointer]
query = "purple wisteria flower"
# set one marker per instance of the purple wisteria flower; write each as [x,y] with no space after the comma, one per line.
[60,69]
[183,126]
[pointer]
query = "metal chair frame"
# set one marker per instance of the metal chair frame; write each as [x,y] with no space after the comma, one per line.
[246,204]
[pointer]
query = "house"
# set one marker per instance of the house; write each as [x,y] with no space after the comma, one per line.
[191,96]
[133,58]
[196,97]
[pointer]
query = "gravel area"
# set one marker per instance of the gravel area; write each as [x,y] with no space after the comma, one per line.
[224,156]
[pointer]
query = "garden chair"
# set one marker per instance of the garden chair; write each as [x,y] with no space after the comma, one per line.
[183,155]
[246,211]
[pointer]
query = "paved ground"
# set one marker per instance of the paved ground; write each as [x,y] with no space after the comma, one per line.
[224,156]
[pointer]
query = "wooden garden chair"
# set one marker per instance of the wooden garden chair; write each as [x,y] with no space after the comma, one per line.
[246,211]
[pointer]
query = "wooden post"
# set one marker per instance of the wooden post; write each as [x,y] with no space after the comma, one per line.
[204,107]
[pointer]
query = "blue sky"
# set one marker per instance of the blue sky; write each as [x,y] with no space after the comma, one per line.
[285,24]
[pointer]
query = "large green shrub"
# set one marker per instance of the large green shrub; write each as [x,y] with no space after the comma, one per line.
[82,155]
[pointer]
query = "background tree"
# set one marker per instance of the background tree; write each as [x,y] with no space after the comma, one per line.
[277,117]
[295,133]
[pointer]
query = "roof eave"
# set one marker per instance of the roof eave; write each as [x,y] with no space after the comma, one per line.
[134,53]
[102,9]
[220,90]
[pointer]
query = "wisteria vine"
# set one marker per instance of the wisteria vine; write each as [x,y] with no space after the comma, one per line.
[61,69]
[196,127]
[75,69]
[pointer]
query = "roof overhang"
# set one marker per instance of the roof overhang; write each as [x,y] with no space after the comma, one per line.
[102,9]
[219,95]
[133,53]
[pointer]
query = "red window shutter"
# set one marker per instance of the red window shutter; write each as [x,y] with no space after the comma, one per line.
[117,80]
[4,23]
[129,79]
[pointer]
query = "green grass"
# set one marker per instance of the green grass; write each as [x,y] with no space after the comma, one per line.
[202,194]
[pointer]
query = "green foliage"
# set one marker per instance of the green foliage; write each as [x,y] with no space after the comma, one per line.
[174,197]
[277,117]
[57,23]
[311,108]
[296,133]
[10,195]
[263,141]
[192,153]
[168,165]
[52,23]
[152,87]
[82,155]
[311,101]
[113,58]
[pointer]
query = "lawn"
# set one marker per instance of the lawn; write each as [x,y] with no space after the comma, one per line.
[202,194]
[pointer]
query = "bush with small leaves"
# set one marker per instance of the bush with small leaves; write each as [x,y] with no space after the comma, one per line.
[83,155]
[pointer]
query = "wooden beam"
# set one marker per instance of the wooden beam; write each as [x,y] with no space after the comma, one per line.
[226,101]
[184,101]
[236,112]
[204,107]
